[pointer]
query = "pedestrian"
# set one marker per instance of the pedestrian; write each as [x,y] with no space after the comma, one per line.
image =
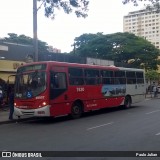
[154,90]
[1,96]
[11,103]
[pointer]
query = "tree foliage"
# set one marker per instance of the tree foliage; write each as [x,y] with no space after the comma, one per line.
[154,5]
[136,2]
[120,47]
[22,39]
[152,75]
[79,7]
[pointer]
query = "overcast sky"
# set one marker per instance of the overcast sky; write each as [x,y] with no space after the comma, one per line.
[16,16]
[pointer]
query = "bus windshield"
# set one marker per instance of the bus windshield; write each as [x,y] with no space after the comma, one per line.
[30,84]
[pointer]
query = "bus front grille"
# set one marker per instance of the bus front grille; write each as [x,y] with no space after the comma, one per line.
[28,112]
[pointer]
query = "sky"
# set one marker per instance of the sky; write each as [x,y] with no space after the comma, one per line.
[16,16]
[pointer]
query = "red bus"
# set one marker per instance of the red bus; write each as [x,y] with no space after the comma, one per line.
[59,88]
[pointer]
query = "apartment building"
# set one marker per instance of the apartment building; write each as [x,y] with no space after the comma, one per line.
[144,23]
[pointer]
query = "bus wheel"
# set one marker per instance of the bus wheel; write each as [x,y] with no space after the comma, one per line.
[76,111]
[127,102]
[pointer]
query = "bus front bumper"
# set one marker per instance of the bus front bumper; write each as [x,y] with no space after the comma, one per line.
[39,112]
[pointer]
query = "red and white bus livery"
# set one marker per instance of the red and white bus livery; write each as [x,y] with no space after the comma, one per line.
[59,88]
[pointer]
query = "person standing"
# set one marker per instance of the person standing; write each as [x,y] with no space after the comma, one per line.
[154,89]
[11,103]
[1,96]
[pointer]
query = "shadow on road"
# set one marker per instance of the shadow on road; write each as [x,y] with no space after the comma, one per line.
[52,120]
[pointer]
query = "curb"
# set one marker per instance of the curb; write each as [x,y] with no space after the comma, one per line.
[16,120]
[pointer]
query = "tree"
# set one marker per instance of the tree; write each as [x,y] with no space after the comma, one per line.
[80,7]
[154,4]
[120,47]
[82,43]
[22,39]
[136,2]
[152,75]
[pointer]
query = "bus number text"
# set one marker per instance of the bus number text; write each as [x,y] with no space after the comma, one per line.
[80,89]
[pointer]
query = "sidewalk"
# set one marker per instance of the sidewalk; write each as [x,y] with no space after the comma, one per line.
[4,117]
[151,95]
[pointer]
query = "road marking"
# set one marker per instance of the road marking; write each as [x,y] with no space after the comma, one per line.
[102,125]
[153,112]
[157,134]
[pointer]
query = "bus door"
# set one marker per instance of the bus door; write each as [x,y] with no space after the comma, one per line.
[58,92]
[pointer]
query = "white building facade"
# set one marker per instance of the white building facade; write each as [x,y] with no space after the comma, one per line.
[144,23]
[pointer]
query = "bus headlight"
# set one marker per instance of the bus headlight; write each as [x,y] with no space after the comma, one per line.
[42,104]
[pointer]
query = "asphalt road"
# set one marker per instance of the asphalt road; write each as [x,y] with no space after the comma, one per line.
[134,129]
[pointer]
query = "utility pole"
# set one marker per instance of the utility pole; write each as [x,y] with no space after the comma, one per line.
[35,40]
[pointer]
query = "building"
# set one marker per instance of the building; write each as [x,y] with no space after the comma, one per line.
[54,50]
[14,51]
[8,69]
[144,23]
[12,55]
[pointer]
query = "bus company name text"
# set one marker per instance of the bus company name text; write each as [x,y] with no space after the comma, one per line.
[21,154]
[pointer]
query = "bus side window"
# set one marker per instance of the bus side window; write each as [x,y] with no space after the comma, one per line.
[131,77]
[112,81]
[61,80]
[106,81]
[54,82]
[58,84]
[117,81]
[76,76]
[92,76]
[58,80]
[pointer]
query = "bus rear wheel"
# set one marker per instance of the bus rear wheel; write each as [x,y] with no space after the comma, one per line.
[127,102]
[76,110]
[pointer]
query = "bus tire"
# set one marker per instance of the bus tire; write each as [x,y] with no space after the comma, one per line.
[127,102]
[76,110]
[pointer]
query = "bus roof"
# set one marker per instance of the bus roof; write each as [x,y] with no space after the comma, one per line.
[66,64]
[131,69]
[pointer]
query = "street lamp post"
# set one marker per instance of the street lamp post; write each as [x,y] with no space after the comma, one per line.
[35,40]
